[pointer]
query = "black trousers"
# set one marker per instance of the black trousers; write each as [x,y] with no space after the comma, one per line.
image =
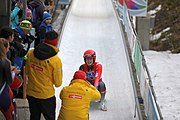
[45,106]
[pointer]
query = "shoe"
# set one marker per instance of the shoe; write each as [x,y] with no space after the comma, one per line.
[103,106]
[97,101]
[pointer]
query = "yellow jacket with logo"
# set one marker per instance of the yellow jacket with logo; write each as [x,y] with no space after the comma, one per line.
[44,70]
[76,100]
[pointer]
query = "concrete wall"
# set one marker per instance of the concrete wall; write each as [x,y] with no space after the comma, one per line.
[22,109]
[143,31]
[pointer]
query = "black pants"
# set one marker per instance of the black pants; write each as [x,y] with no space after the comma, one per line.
[45,106]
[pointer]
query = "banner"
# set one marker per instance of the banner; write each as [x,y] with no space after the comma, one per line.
[135,7]
[150,105]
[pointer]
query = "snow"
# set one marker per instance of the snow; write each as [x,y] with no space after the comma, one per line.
[165,72]
[164,68]
[158,35]
[153,12]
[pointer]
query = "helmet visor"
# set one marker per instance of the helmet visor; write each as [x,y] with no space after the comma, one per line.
[89,55]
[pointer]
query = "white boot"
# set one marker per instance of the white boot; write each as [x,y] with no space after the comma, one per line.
[103,106]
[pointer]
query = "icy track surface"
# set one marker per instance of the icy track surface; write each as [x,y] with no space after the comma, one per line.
[92,24]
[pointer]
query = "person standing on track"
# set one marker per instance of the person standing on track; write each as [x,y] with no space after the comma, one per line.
[44,71]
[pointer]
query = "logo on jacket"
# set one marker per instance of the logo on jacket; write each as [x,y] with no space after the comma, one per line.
[75,96]
[90,76]
[36,67]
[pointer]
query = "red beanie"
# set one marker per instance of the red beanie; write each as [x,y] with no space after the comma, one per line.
[79,75]
[51,37]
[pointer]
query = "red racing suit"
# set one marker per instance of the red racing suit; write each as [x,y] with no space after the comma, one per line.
[93,73]
[6,94]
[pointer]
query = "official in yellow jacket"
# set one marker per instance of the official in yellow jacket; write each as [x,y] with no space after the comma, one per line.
[44,71]
[76,98]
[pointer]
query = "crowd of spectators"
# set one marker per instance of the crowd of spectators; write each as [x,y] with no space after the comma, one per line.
[15,42]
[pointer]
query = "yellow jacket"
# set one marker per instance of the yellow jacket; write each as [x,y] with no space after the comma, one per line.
[76,100]
[44,69]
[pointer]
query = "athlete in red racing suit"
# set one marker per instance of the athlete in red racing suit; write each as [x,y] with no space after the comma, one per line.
[93,72]
[8,81]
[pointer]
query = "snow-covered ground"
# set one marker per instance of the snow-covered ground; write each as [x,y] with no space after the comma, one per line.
[164,68]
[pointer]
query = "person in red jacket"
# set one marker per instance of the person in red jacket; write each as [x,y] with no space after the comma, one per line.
[93,72]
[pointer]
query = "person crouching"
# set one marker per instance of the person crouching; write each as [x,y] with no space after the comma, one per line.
[76,98]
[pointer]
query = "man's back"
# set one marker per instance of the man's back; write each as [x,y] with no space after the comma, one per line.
[43,73]
[76,100]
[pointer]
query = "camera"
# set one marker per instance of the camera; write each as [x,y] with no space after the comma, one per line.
[30,38]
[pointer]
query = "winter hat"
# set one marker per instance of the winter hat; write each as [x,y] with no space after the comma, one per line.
[51,37]
[46,15]
[25,24]
[28,11]
[79,75]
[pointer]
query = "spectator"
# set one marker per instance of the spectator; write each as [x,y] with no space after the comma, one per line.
[45,26]
[29,15]
[21,43]
[7,33]
[76,98]
[16,14]
[19,48]
[49,4]
[44,69]
[37,7]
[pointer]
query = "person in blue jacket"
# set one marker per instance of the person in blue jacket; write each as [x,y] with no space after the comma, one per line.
[45,26]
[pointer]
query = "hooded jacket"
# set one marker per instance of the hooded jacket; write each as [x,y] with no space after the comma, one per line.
[40,7]
[43,29]
[44,69]
[76,100]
